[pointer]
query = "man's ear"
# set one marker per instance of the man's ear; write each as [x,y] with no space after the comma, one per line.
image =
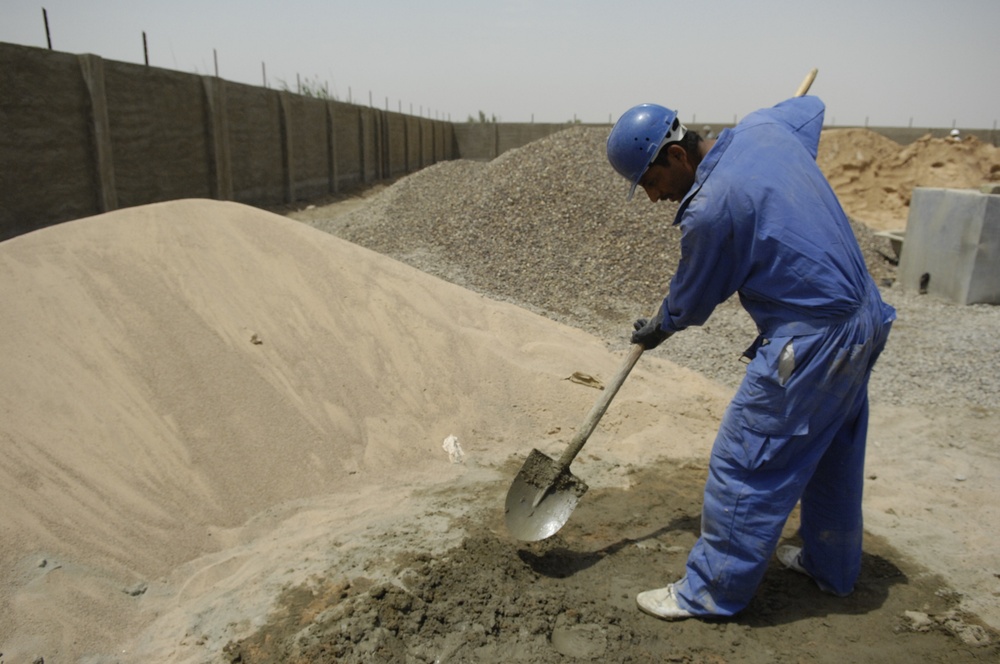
[677,152]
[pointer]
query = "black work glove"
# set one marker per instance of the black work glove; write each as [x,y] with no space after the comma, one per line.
[649,332]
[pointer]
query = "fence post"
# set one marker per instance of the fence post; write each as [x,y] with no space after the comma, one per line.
[386,146]
[378,120]
[92,67]
[362,145]
[420,140]
[406,143]
[434,141]
[285,115]
[219,159]
[331,149]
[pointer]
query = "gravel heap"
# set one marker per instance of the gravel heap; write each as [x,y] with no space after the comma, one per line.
[547,227]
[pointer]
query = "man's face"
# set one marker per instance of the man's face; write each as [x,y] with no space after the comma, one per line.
[669,181]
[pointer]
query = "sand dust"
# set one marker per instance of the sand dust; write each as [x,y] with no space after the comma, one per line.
[223,437]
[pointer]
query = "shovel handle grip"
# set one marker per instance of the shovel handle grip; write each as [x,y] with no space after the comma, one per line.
[807,82]
[602,404]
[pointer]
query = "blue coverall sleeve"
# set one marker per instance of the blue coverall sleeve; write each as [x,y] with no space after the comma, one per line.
[710,269]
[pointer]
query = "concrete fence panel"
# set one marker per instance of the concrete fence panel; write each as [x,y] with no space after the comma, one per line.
[309,147]
[396,147]
[347,135]
[47,174]
[412,132]
[256,153]
[159,144]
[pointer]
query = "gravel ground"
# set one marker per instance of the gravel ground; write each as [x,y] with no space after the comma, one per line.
[547,227]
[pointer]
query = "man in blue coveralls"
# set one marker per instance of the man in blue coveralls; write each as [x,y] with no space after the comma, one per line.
[759,218]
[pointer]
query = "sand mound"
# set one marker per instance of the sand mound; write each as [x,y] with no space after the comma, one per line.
[181,378]
[874,176]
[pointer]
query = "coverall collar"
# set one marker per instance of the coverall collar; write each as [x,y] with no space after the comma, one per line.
[705,169]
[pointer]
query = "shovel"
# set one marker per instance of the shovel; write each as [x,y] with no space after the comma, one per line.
[545,492]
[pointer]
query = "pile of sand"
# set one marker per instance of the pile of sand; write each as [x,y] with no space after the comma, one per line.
[874,176]
[183,380]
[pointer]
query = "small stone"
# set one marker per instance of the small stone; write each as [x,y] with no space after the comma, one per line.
[136,590]
[918,620]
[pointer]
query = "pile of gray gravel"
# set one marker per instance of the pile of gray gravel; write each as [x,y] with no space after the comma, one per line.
[547,227]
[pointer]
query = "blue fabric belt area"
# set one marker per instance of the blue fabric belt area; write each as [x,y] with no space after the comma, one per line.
[800,328]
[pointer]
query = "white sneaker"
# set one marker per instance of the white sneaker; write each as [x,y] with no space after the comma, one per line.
[662,603]
[791,558]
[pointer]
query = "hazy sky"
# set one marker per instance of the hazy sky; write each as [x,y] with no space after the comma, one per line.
[881,62]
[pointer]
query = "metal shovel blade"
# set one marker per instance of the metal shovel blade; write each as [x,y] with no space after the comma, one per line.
[541,498]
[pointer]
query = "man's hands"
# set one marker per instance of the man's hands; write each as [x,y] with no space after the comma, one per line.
[649,332]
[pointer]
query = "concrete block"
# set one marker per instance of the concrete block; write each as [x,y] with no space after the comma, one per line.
[895,240]
[952,247]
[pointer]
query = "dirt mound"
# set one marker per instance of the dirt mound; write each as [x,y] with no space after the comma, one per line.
[570,599]
[545,226]
[176,377]
[874,176]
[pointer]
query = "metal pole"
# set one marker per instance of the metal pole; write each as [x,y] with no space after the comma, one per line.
[145,49]
[215,56]
[263,73]
[48,35]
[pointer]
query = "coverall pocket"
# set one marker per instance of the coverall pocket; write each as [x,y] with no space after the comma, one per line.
[764,397]
[848,370]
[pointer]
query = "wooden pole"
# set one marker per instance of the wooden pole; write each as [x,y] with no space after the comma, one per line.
[145,49]
[48,35]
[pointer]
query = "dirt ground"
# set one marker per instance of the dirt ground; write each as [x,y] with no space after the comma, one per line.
[211,456]
[572,597]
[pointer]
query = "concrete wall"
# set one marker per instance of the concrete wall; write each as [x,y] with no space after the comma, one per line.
[80,135]
[485,141]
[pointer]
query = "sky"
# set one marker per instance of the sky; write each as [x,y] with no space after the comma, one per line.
[898,63]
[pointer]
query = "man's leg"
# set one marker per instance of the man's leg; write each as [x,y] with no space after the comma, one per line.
[744,512]
[831,516]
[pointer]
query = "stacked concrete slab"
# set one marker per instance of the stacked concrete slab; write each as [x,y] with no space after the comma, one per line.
[952,245]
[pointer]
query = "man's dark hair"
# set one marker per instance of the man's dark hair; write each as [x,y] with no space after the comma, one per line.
[689,141]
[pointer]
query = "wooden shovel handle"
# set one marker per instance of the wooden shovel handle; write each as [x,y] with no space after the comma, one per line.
[602,404]
[807,82]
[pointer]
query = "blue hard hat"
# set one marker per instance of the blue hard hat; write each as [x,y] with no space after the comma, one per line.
[637,137]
